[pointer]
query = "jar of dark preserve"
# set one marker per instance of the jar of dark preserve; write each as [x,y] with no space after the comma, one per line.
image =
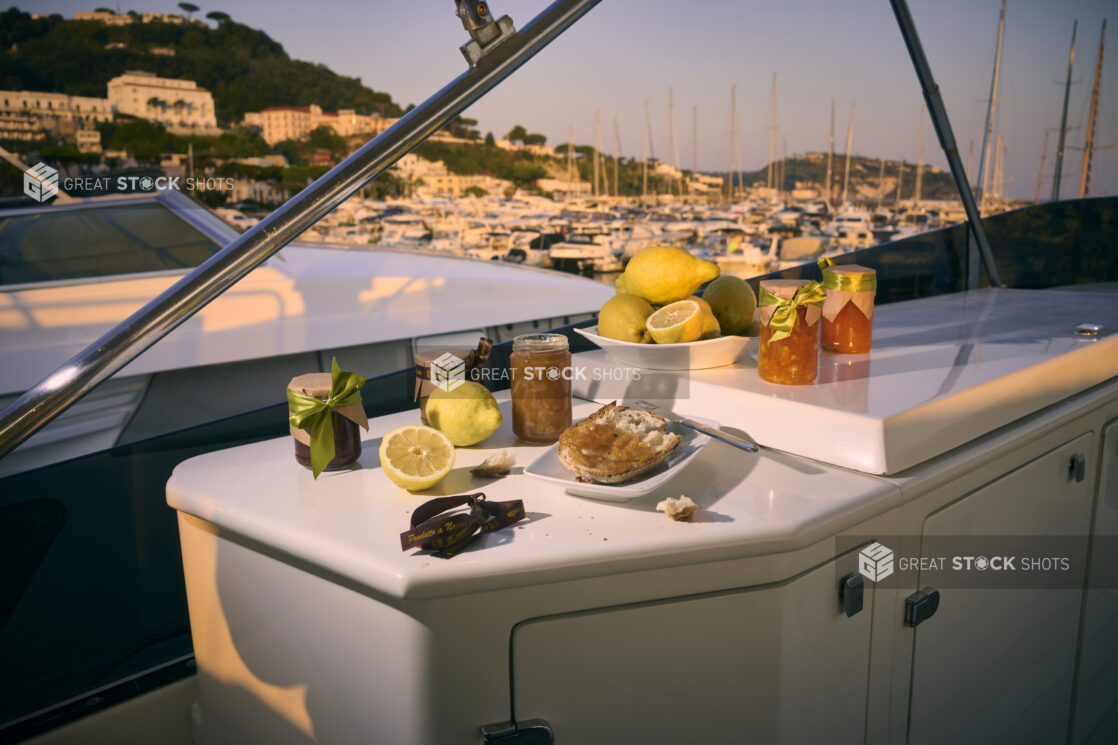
[347,439]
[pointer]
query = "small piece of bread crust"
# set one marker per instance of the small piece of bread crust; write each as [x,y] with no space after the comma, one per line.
[616,444]
[678,509]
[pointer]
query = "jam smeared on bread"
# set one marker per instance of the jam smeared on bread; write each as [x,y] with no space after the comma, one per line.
[616,444]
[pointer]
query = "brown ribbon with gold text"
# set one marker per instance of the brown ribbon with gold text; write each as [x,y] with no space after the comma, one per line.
[449,534]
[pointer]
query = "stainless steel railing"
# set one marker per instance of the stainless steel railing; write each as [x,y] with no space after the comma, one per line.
[977,245]
[494,51]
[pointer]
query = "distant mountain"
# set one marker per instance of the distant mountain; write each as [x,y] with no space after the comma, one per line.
[865,181]
[244,68]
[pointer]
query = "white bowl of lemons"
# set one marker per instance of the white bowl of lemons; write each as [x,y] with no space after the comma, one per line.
[693,355]
[686,332]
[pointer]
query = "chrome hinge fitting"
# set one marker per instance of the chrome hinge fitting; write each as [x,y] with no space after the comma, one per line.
[528,732]
[485,33]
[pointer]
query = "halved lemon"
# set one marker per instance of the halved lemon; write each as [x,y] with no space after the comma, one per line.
[680,321]
[415,457]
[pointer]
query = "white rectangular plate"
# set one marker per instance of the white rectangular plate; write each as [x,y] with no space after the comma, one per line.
[549,468]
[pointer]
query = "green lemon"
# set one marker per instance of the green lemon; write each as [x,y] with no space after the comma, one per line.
[623,317]
[466,415]
[665,274]
[733,303]
[711,328]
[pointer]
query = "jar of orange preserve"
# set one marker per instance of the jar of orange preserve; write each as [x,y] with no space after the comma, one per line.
[789,311]
[848,309]
[541,386]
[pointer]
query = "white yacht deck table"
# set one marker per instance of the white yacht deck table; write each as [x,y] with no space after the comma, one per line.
[350,521]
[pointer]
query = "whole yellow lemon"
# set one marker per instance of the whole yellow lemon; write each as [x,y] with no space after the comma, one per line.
[466,415]
[623,317]
[665,274]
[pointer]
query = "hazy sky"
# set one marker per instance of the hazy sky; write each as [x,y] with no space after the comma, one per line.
[626,51]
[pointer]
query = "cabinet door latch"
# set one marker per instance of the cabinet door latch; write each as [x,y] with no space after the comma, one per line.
[1077,468]
[851,592]
[920,606]
[528,732]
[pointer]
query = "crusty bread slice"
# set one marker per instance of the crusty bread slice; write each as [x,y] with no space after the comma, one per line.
[616,444]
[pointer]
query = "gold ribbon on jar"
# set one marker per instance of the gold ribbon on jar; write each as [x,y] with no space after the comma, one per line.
[857,279]
[316,416]
[784,316]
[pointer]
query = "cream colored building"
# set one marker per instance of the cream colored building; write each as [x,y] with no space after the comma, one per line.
[177,104]
[434,177]
[124,19]
[109,19]
[563,186]
[279,123]
[89,140]
[28,115]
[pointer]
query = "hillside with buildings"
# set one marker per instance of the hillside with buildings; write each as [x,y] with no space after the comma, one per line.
[868,181]
[107,91]
[243,68]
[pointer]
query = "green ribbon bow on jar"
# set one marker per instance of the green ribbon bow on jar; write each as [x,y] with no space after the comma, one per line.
[315,415]
[784,317]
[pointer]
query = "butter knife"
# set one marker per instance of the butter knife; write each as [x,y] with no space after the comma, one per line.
[717,434]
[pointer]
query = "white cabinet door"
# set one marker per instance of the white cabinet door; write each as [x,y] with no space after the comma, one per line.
[778,664]
[1096,692]
[997,665]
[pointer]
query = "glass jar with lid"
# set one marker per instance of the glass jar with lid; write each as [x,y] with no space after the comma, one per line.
[848,309]
[540,366]
[788,346]
[345,421]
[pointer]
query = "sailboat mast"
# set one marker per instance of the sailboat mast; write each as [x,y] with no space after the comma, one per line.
[644,154]
[970,162]
[737,154]
[571,175]
[616,157]
[1040,171]
[673,143]
[597,149]
[920,159]
[828,189]
[900,174]
[1058,174]
[733,137]
[783,165]
[695,138]
[991,110]
[881,183]
[772,135]
[1089,145]
[849,145]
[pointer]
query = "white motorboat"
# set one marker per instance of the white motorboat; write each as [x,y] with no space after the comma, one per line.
[303,306]
[581,253]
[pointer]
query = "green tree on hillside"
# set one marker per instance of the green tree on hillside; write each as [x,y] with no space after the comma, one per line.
[517,134]
[217,15]
[190,9]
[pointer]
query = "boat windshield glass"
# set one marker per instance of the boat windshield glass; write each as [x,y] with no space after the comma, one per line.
[53,245]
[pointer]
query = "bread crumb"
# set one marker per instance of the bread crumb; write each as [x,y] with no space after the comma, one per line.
[678,509]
